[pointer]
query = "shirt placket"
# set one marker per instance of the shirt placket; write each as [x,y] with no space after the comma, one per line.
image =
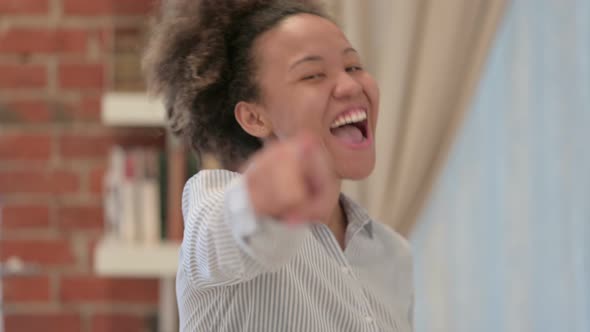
[329,242]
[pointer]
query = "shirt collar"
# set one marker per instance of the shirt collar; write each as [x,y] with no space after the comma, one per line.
[357,216]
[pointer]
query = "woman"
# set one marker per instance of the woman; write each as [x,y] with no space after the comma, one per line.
[276,91]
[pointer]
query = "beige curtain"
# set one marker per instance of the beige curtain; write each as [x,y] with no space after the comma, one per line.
[427,56]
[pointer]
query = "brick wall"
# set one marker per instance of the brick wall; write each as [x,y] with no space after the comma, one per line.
[57,57]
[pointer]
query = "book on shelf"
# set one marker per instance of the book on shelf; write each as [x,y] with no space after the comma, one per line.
[132,197]
[143,193]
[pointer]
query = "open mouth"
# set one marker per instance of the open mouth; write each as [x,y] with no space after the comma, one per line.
[351,127]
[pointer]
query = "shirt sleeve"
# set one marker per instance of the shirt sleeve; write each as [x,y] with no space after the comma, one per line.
[225,242]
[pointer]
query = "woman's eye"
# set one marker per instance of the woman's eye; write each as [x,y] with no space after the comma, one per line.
[313,76]
[352,69]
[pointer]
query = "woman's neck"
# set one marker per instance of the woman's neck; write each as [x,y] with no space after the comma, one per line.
[338,221]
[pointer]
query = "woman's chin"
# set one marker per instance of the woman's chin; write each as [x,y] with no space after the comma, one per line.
[356,170]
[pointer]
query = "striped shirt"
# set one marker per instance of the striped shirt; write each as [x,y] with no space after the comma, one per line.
[240,272]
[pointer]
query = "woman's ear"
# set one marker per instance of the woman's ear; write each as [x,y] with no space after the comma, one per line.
[252,119]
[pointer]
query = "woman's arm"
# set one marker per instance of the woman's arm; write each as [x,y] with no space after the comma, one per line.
[239,226]
[225,242]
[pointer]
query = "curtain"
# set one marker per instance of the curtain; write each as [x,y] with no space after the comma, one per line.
[504,243]
[427,56]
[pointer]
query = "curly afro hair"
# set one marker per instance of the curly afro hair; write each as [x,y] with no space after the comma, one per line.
[199,58]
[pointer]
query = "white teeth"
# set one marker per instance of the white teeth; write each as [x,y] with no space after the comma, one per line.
[354,117]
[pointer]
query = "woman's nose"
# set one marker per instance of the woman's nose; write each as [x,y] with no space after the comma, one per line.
[347,86]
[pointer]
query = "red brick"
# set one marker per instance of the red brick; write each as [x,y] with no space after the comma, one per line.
[95,289]
[106,38]
[26,289]
[81,218]
[118,323]
[30,111]
[92,243]
[25,216]
[81,76]
[39,182]
[85,146]
[96,180]
[88,109]
[24,6]
[19,76]
[28,40]
[46,322]
[46,252]
[29,147]
[99,145]
[108,7]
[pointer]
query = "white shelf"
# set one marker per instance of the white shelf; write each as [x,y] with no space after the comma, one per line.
[112,258]
[132,110]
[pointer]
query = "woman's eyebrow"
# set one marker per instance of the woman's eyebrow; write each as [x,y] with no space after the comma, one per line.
[313,58]
[307,58]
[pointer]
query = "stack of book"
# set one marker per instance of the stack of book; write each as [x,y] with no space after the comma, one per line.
[134,199]
[142,193]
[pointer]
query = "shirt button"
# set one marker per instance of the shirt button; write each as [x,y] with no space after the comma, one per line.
[368,319]
[345,270]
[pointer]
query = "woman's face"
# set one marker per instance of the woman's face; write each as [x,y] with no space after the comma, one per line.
[311,79]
